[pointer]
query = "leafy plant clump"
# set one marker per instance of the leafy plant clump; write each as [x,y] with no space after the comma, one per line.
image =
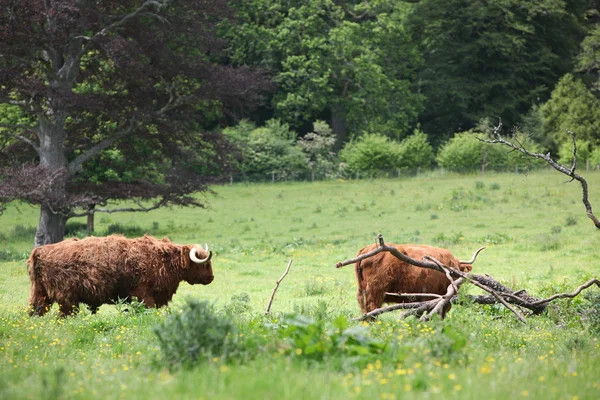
[315,340]
[197,334]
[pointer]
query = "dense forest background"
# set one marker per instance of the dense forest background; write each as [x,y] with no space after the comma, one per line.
[407,85]
[155,100]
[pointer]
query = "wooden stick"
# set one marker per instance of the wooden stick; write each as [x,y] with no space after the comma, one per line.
[277,285]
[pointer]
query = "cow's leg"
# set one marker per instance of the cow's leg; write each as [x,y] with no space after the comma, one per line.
[360,296]
[142,295]
[373,297]
[67,308]
[39,303]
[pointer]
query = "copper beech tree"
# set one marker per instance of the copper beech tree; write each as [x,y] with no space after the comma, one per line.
[108,100]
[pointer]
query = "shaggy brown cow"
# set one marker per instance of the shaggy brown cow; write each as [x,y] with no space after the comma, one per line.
[101,270]
[384,272]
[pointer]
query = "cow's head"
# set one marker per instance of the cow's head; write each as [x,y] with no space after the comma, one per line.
[200,267]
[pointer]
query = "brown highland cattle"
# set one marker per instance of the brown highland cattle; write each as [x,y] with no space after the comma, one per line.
[101,270]
[384,273]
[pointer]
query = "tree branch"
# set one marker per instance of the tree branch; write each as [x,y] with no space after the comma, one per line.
[277,286]
[141,10]
[554,164]
[19,137]
[499,293]
[76,165]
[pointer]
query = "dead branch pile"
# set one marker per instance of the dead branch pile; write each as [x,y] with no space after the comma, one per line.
[519,302]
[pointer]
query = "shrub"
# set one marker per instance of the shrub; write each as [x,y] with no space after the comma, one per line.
[317,340]
[464,152]
[194,335]
[565,152]
[318,147]
[370,155]
[267,150]
[415,151]
[595,158]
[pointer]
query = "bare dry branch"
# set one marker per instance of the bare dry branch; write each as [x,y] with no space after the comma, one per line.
[277,286]
[569,295]
[498,293]
[570,172]
[437,296]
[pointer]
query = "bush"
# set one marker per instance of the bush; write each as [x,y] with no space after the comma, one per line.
[195,335]
[370,155]
[565,152]
[271,149]
[318,147]
[415,151]
[595,158]
[464,152]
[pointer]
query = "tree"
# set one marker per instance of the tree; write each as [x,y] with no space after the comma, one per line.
[132,80]
[346,61]
[571,106]
[489,59]
[588,61]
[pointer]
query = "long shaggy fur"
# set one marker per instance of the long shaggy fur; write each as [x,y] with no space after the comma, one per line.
[385,273]
[100,270]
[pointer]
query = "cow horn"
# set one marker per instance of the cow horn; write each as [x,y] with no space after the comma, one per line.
[472,260]
[195,258]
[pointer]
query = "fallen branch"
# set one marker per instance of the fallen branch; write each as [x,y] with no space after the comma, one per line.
[277,286]
[498,293]
[516,145]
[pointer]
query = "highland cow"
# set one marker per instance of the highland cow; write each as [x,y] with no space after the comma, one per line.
[103,270]
[384,273]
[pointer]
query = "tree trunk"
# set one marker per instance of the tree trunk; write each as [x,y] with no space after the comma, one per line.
[90,219]
[338,126]
[51,227]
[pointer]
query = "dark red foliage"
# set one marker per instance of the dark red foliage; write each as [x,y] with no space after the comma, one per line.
[108,65]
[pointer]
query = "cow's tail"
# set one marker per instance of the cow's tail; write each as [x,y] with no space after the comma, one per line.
[362,290]
[38,297]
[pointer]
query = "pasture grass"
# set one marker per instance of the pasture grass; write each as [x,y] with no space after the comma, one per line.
[538,238]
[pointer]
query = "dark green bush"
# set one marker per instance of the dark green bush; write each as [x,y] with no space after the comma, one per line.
[370,155]
[269,151]
[416,152]
[195,335]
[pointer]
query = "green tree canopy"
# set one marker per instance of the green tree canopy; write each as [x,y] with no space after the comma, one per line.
[571,107]
[490,59]
[351,62]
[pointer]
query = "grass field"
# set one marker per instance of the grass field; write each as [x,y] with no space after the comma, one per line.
[537,236]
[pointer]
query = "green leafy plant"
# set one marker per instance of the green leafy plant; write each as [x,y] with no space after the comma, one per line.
[194,335]
[316,340]
[370,155]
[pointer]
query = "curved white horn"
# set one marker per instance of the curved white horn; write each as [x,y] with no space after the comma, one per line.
[472,260]
[194,257]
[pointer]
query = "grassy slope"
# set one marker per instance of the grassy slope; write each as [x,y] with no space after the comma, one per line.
[256,229]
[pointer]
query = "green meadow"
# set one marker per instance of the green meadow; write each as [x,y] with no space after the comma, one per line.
[538,238]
